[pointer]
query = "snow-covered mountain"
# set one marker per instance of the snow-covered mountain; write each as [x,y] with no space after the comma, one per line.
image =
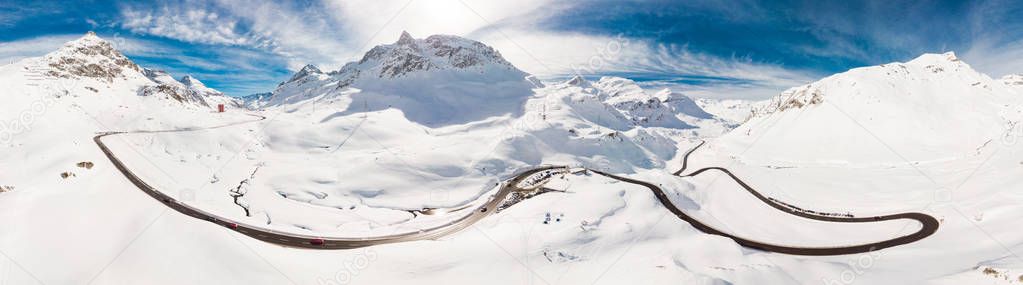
[437,52]
[196,85]
[633,106]
[736,111]
[1013,80]
[933,107]
[187,90]
[90,57]
[93,58]
[375,148]
[435,81]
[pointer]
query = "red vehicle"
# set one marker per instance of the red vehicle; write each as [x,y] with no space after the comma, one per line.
[316,241]
[233,226]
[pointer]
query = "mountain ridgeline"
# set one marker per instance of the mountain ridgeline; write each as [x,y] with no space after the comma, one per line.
[436,81]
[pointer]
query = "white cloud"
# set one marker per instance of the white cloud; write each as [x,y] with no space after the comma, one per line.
[332,33]
[589,55]
[995,48]
[328,35]
[994,59]
[377,22]
[186,24]
[13,51]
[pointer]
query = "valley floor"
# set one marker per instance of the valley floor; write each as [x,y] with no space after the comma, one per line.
[597,231]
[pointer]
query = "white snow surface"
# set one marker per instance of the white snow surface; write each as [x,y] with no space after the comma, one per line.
[932,108]
[1013,80]
[437,81]
[735,111]
[330,161]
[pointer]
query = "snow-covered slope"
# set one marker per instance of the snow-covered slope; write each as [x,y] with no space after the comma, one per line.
[196,85]
[66,196]
[1013,80]
[325,129]
[90,57]
[735,111]
[931,108]
[635,107]
[440,80]
[187,90]
[326,164]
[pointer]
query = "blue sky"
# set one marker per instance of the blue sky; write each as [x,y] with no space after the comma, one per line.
[728,49]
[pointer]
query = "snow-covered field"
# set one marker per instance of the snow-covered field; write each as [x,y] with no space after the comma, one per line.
[348,154]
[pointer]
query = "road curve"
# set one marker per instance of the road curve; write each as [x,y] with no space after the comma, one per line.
[305,241]
[929,223]
[296,240]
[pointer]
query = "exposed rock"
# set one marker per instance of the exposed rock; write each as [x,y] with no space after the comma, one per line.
[89,56]
[85,164]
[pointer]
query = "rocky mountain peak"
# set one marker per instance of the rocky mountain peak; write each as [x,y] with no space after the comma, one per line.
[405,39]
[89,56]
[195,85]
[577,81]
[1013,80]
[309,68]
[190,81]
[437,52]
[938,63]
[306,71]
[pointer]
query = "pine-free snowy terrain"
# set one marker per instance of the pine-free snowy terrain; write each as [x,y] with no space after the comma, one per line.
[370,148]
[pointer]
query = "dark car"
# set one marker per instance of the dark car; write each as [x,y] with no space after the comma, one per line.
[316,241]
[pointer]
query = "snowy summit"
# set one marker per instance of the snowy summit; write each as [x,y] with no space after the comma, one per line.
[439,80]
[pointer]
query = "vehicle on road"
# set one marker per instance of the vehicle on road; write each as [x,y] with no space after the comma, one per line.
[232,226]
[316,241]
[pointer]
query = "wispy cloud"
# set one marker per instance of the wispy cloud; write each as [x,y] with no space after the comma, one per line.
[662,65]
[12,13]
[757,47]
[328,33]
[31,47]
[331,33]
[294,33]
[187,24]
[996,47]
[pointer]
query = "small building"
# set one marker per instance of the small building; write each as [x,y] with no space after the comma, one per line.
[220,108]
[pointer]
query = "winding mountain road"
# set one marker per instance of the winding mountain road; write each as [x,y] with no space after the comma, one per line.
[929,225]
[288,239]
[306,241]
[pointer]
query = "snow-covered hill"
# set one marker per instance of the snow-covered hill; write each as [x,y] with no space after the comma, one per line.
[53,105]
[377,148]
[934,107]
[391,158]
[65,195]
[735,111]
[631,106]
[1013,80]
[186,90]
[440,80]
[91,58]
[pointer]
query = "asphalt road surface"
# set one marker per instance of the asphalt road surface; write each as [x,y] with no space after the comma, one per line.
[930,225]
[306,241]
